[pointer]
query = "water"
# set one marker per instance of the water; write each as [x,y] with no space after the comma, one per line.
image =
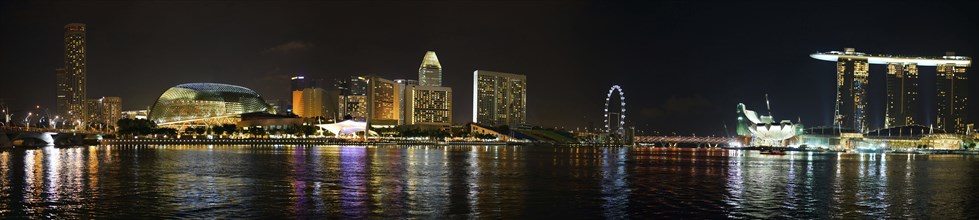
[480,181]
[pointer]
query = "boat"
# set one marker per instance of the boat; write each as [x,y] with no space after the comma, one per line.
[34,140]
[773,152]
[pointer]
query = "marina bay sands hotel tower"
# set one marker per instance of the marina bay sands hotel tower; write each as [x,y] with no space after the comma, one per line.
[903,106]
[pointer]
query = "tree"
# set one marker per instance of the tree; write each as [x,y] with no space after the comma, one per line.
[229,128]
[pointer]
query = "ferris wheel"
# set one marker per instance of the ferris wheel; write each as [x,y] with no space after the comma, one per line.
[610,122]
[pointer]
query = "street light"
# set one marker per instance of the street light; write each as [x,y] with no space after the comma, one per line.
[28,120]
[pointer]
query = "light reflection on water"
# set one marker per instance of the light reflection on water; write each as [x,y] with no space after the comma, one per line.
[479,181]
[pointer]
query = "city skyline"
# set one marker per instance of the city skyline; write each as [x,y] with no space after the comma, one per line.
[671,94]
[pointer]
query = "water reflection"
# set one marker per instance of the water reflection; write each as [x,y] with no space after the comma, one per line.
[478,182]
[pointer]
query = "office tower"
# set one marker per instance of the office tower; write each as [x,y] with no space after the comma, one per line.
[902,94]
[383,105]
[353,98]
[298,85]
[430,72]
[75,74]
[953,94]
[499,98]
[851,90]
[428,105]
[320,103]
[357,85]
[61,78]
[403,86]
[354,106]
[104,112]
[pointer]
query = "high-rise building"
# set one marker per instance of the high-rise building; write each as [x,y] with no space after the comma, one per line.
[357,85]
[953,94]
[430,72]
[383,101]
[104,112]
[403,86]
[902,94]
[353,98]
[902,88]
[354,106]
[428,105]
[61,76]
[298,84]
[852,73]
[499,98]
[318,102]
[74,75]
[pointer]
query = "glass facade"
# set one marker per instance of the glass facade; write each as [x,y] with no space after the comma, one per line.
[430,72]
[198,102]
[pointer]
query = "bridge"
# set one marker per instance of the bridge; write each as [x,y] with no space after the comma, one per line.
[675,141]
[18,130]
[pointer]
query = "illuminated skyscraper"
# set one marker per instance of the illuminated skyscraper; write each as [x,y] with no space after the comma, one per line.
[428,105]
[74,77]
[902,94]
[104,112]
[851,90]
[383,101]
[430,72]
[499,98]
[61,76]
[403,86]
[953,94]
[318,102]
[902,88]
[353,98]
[298,85]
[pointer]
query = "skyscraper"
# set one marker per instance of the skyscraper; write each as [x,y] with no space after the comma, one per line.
[953,94]
[61,76]
[74,75]
[383,101]
[852,72]
[104,112]
[298,85]
[430,72]
[428,105]
[499,98]
[404,84]
[902,94]
[318,102]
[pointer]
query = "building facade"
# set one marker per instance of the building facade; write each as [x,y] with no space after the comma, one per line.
[204,104]
[953,94]
[851,91]
[73,105]
[403,86]
[903,105]
[104,112]
[383,101]
[499,98]
[428,105]
[297,85]
[902,95]
[320,103]
[430,72]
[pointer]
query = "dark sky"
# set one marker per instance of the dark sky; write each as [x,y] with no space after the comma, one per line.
[684,65]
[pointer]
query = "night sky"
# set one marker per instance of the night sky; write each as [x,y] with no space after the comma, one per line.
[683,65]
